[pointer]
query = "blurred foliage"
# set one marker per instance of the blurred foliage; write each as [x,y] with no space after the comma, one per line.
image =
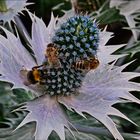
[106,15]
[131,11]
[132,50]
[97,8]
[9,119]
[24,133]
[10,100]
[43,8]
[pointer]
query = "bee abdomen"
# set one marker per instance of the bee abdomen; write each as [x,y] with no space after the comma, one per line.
[31,78]
[79,65]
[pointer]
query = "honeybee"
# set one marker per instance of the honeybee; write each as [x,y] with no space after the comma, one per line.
[88,64]
[52,55]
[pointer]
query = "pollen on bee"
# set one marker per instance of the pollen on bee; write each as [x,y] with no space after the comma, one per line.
[36,75]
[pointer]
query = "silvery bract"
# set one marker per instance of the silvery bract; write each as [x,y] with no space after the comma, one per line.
[99,89]
[12,8]
[131,14]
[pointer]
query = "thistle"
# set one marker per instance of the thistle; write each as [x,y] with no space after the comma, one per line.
[92,92]
[75,39]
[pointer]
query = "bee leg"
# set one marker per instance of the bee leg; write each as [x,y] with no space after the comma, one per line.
[36,67]
[42,82]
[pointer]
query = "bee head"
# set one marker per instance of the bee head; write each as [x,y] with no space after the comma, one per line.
[95,63]
[51,50]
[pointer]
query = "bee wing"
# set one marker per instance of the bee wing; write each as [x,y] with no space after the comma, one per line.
[23,75]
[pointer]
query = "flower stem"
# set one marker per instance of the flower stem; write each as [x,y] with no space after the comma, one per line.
[3,6]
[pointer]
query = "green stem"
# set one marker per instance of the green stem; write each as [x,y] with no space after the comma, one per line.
[3,6]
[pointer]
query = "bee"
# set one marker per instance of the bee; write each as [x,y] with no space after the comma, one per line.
[88,64]
[38,74]
[33,76]
[52,56]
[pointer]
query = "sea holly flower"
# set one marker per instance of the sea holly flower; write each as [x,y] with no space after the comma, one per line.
[92,92]
[9,9]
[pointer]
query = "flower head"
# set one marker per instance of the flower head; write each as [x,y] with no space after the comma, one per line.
[91,91]
[77,38]
[9,9]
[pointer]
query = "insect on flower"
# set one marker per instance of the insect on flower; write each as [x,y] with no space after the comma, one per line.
[88,64]
[52,56]
[66,88]
[39,73]
[35,75]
